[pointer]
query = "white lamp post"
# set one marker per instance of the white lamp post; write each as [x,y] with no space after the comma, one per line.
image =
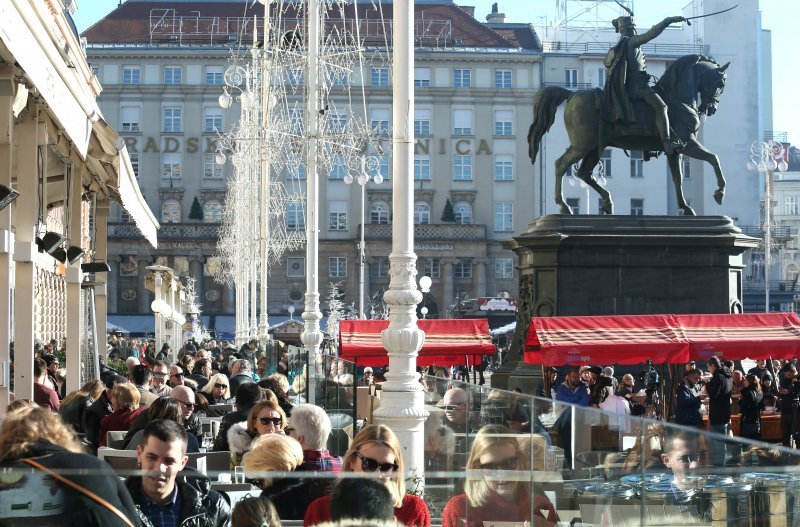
[425,283]
[763,159]
[363,167]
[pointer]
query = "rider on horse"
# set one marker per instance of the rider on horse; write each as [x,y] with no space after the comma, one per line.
[627,79]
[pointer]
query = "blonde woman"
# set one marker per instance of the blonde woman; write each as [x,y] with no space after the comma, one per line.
[217,389]
[74,405]
[497,488]
[278,453]
[376,449]
[266,417]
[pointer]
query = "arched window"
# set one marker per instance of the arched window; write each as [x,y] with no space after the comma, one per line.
[379,213]
[171,211]
[422,213]
[212,211]
[463,212]
[295,219]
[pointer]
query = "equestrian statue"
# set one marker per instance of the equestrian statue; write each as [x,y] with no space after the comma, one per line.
[631,114]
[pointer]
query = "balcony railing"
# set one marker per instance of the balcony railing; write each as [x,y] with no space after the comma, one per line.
[777,233]
[169,231]
[601,48]
[440,231]
[570,85]
[751,286]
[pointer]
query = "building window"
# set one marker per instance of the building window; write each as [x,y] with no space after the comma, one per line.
[462,168]
[792,206]
[96,71]
[336,121]
[422,213]
[379,268]
[212,211]
[422,168]
[503,268]
[503,216]
[422,122]
[135,164]
[173,75]
[171,211]
[171,119]
[212,120]
[422,77]
[379,120]
[462,78]
[214,75]
[462,122]
[503,122]
[295,219]
[574,204]
[503,167]
[129,119]
[637,163]
[171,165]
[637,207]
[295,267]
[131,75]
[462,268]
[211,170]
[605,160]
[379,213]
[601,77]
[431,267]
[338,168]
[462,212]
[502,78]
[337,215]
[295,76]
[571,78]
[380,76]
[337,267]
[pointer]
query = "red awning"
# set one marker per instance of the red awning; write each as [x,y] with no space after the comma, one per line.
[632,339]
[447,341]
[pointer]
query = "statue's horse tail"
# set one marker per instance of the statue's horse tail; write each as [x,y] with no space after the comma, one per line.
[545,104]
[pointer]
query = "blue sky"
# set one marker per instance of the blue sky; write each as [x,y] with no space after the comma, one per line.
[779,16]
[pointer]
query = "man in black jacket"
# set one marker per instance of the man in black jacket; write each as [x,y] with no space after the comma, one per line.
[788,389]
[246,397]
[99,409]
[719,409]
[184,499]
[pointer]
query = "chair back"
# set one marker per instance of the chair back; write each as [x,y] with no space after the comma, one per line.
[123,462]
[215,461]
[116,439]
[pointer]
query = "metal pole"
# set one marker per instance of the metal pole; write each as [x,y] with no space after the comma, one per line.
[311,335]
[767,237]
[361,256]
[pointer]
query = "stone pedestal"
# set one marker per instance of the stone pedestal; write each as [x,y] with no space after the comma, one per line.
[622,265]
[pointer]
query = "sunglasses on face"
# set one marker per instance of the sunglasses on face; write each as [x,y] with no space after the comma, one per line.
[159,375]
[276,421]
[176,374]
[506,464]
[453,407]
[370,465]
[221,386]
[188,405]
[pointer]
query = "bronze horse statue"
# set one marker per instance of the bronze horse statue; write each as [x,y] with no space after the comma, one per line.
[589,133]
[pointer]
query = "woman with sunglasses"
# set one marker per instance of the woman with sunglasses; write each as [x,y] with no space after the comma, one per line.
[216,390]
[266,417]
[377,449]
[497,488]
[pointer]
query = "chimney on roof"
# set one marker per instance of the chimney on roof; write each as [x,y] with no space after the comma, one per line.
[495,17]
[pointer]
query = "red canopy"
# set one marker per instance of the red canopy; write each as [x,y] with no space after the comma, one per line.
[447,341]
[632,339]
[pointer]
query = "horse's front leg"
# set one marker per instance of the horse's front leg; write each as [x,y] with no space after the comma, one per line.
[698,151]
[675,168]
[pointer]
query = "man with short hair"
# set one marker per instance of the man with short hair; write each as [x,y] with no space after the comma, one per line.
[680,457]
[311,426]
[176,375]
[456,410]
[368,377]
[575,392]
[130,363]
[142,378]
[687,402]
[160,376]
[185,398]
[361,499]
[51,381]
[760,370]
[239,374]
[788,390]
[201,372]
[719,410]
[43,395]
[246,397]
[162,496]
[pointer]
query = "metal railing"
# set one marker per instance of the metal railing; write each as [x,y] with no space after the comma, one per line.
[442,231]
[601,48]
[207,231]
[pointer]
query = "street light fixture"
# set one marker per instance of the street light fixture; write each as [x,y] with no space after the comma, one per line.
[764,156]
[363,167]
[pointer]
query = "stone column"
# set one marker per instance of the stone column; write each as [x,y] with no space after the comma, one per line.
[196,264]
[480,276]
[142,294]
[74,277]
[112,285]
[32,135]
[6,236]
[101,279]
[448,285]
